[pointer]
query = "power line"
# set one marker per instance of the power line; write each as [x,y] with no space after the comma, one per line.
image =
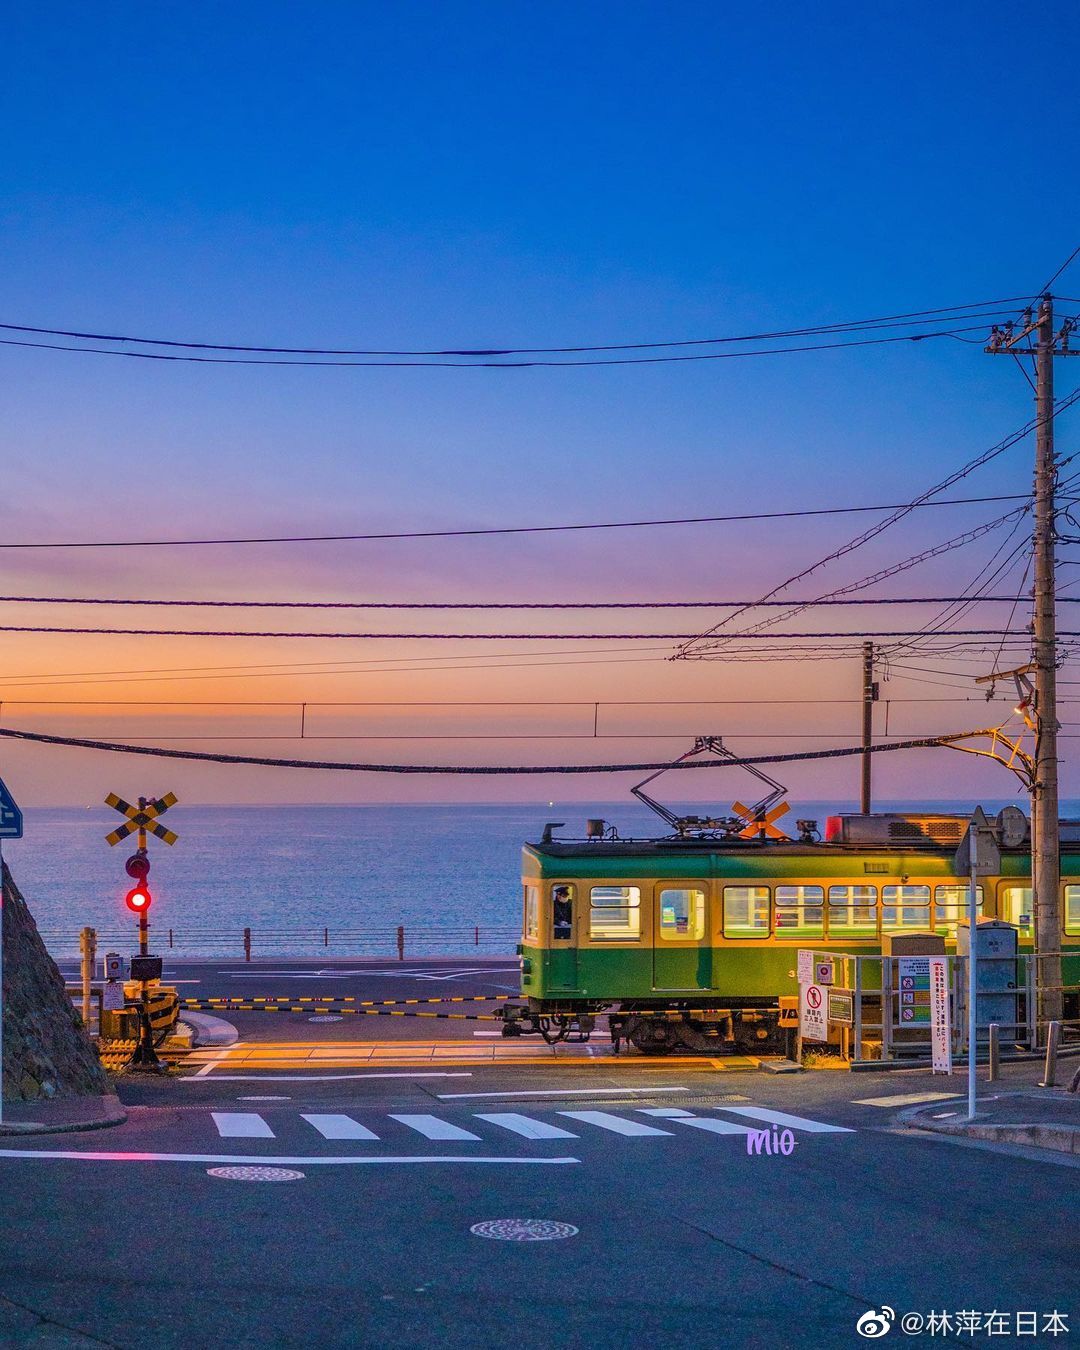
[1060,406]
[500,637]
[505,529]
[440,364]
[825,601]
[914,316]
[1068,261]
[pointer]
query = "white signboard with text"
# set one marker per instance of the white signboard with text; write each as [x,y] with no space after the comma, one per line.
[940,1025]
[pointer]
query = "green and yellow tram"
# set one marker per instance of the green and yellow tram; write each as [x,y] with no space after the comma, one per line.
[687,942]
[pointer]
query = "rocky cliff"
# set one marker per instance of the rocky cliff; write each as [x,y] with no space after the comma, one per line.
[46,1051]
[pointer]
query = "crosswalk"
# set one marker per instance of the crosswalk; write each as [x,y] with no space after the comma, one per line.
[640,1123]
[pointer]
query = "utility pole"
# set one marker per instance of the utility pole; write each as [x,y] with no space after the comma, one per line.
[869,698]
[1045,856]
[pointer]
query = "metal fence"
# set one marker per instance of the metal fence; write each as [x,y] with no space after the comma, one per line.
[252,943]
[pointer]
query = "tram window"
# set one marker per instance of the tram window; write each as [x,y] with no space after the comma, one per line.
[682,915]
[532,912]
[951,905]
[853,911]
[746,911]
[615,913]
[562,913]
[905,907]
[1016,908]
[1072,910]
[799,911]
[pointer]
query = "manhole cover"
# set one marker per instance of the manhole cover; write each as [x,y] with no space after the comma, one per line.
[326,1017]
[523,1230]
[255,1173]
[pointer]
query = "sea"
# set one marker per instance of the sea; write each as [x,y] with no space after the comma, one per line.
[319,880]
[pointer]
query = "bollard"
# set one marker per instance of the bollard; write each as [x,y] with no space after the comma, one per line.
[995,1064]
[1053,1034]
[326,937]
[170,938]
[478,935]
[401,942]
[247,944]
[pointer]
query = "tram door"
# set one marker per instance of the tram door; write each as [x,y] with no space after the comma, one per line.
[681,955]
[562,957]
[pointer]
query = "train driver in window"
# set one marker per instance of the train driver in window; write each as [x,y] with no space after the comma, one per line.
[562,913]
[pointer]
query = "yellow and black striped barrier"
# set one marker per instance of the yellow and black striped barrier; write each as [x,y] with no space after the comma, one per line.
[251,1006]
[204,1003]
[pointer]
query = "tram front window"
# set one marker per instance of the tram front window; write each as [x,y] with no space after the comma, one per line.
[799,911]
[905,907]
[853,911]
[615,913]
[532,913]
[951,905]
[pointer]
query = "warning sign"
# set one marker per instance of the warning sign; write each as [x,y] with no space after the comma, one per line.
[812,1013]
[914,980]
[806,966]
[825,972]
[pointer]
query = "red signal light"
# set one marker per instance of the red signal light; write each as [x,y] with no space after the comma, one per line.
[138,898]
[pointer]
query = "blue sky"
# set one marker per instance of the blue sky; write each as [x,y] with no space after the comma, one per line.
[477,174]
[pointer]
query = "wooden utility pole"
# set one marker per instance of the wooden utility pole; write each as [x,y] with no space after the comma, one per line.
[1045,855]
[869,698]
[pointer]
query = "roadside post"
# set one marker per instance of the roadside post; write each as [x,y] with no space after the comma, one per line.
[979,855]
[143,819]
[88,951]
[11,827]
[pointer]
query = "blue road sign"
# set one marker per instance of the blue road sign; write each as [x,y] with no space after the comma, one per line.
[10,815]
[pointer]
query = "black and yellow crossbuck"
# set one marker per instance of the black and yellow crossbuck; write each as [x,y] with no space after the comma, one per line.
[142,818]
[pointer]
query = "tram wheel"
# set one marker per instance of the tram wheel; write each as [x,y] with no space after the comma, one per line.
[653,1037]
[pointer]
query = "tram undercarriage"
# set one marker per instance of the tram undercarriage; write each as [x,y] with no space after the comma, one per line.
[653,1031]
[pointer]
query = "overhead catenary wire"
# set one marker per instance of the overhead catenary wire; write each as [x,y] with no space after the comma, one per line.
[486,530]
[481,770]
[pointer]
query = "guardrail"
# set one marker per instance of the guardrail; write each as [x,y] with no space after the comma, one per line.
[252,942]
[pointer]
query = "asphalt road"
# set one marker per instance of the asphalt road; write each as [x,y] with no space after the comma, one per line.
[683,1238]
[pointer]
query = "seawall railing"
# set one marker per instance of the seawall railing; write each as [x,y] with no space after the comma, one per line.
[253,943]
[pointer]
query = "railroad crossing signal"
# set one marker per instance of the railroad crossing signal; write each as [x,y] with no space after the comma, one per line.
[761,826]
[142,818]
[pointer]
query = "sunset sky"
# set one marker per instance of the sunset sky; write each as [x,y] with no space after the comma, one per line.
[458,175]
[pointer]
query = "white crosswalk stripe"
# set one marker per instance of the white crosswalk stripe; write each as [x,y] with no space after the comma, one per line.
[715,1126]
[241,1125]
[783,1119]
[525,1125]
[336,1125]
[616,1124]
[431,1127]
[339,1127]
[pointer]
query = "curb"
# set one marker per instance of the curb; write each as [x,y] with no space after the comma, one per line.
[209,1031]
[1056,1138]
[111,1113]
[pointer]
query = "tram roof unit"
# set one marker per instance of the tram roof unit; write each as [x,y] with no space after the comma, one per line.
[886,832]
